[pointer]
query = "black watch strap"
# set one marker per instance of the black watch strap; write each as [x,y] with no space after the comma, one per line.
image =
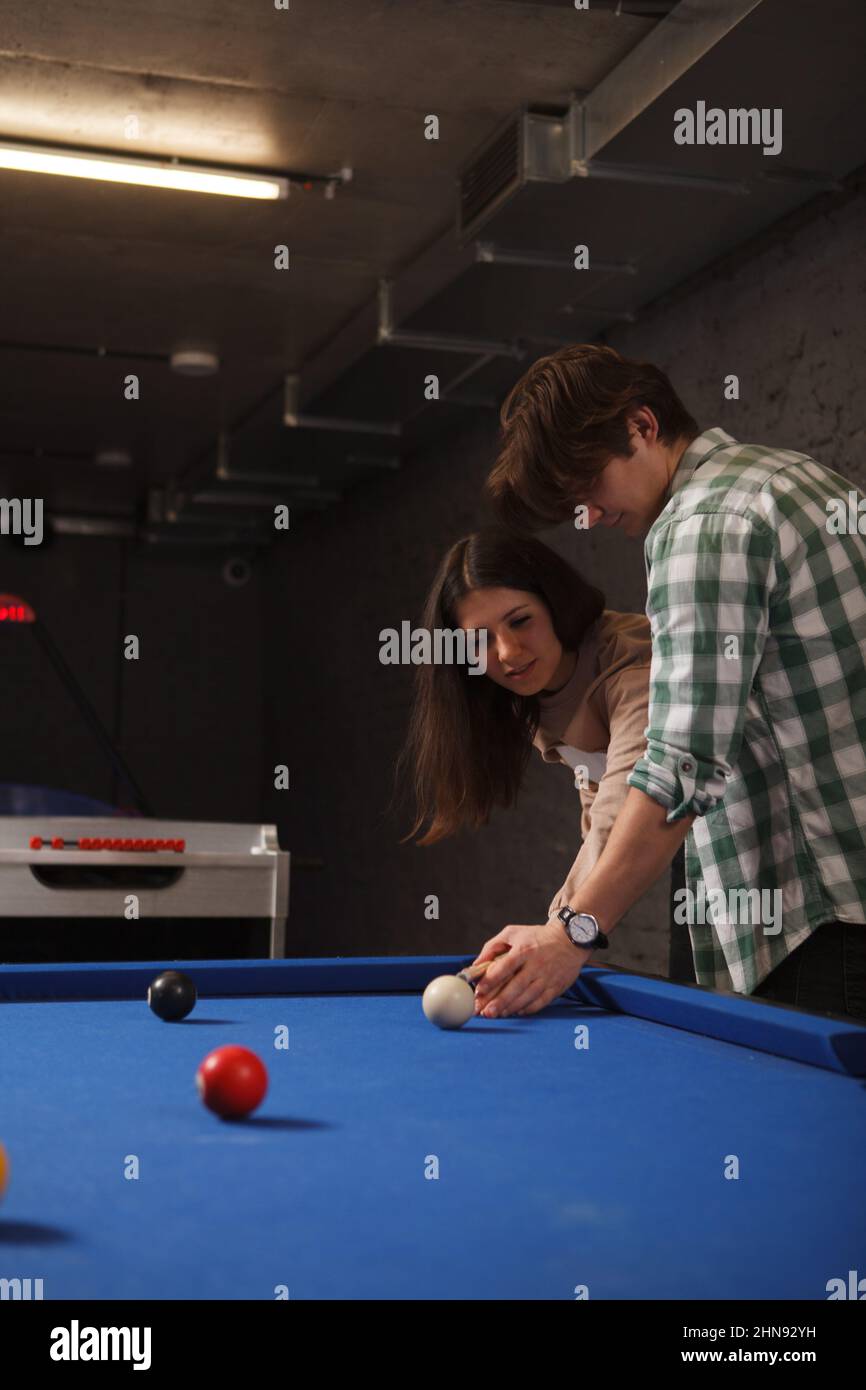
[598,942]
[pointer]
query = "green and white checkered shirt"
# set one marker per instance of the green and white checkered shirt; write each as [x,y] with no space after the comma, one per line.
[757,718]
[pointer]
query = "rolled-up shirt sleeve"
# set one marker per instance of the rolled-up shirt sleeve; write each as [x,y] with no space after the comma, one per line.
[711,576]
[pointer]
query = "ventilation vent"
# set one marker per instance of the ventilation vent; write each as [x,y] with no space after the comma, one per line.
[493,177]
[532,146]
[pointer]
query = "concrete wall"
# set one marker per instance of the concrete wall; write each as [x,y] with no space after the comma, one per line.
[788,320]
[234,681]
[186,715]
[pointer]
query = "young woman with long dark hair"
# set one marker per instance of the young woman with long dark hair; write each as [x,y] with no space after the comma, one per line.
[564,674]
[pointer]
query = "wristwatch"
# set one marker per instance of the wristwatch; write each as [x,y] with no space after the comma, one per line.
[582,929]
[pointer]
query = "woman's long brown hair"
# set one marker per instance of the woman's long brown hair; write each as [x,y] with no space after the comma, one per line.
[469,739]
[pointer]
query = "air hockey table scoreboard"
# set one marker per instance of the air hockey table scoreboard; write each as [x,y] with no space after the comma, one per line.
[87,872]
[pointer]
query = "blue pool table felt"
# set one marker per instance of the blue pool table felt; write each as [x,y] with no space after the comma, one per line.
[559,1166]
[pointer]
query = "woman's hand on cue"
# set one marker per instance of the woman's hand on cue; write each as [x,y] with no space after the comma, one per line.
[532,966]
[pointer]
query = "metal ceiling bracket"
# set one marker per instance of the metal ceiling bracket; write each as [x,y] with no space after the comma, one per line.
[669,50]
[436,342]
[294,418]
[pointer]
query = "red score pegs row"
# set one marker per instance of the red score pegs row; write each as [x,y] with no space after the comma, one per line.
[57,842]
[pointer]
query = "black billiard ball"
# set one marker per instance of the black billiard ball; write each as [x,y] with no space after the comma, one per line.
[171,996]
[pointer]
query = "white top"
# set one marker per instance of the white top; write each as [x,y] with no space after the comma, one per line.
[594,763]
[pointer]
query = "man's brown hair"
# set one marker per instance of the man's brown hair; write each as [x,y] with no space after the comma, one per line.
[563,422]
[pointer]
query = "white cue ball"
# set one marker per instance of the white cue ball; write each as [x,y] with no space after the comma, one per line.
[448,1002]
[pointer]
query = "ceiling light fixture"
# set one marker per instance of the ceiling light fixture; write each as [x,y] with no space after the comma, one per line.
[151,173]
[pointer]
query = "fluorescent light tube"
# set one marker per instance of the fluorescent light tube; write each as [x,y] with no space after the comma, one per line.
[148,173]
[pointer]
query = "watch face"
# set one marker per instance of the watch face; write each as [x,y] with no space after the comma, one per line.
[582,927]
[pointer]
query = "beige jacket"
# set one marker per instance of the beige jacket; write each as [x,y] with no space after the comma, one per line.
[600,718]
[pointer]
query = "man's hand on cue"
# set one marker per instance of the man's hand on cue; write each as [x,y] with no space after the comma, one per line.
[532,966]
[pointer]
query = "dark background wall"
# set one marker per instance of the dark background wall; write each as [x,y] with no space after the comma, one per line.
[187,715]
[784,318]
[286,670]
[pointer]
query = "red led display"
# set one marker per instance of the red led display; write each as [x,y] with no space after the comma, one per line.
[14,610]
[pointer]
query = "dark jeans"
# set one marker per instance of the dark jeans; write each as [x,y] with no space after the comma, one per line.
[681,967]
[826,974]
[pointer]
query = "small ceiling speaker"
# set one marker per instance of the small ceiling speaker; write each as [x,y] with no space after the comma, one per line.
[194,361]
[113,458]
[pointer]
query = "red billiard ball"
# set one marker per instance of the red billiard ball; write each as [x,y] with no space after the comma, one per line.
[232,1081]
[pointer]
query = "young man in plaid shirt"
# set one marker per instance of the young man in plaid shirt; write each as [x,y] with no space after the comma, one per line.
[756,745]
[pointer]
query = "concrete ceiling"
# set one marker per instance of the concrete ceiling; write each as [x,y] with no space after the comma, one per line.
[98,281]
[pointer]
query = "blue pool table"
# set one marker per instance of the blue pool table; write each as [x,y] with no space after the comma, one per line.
[583,1150]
